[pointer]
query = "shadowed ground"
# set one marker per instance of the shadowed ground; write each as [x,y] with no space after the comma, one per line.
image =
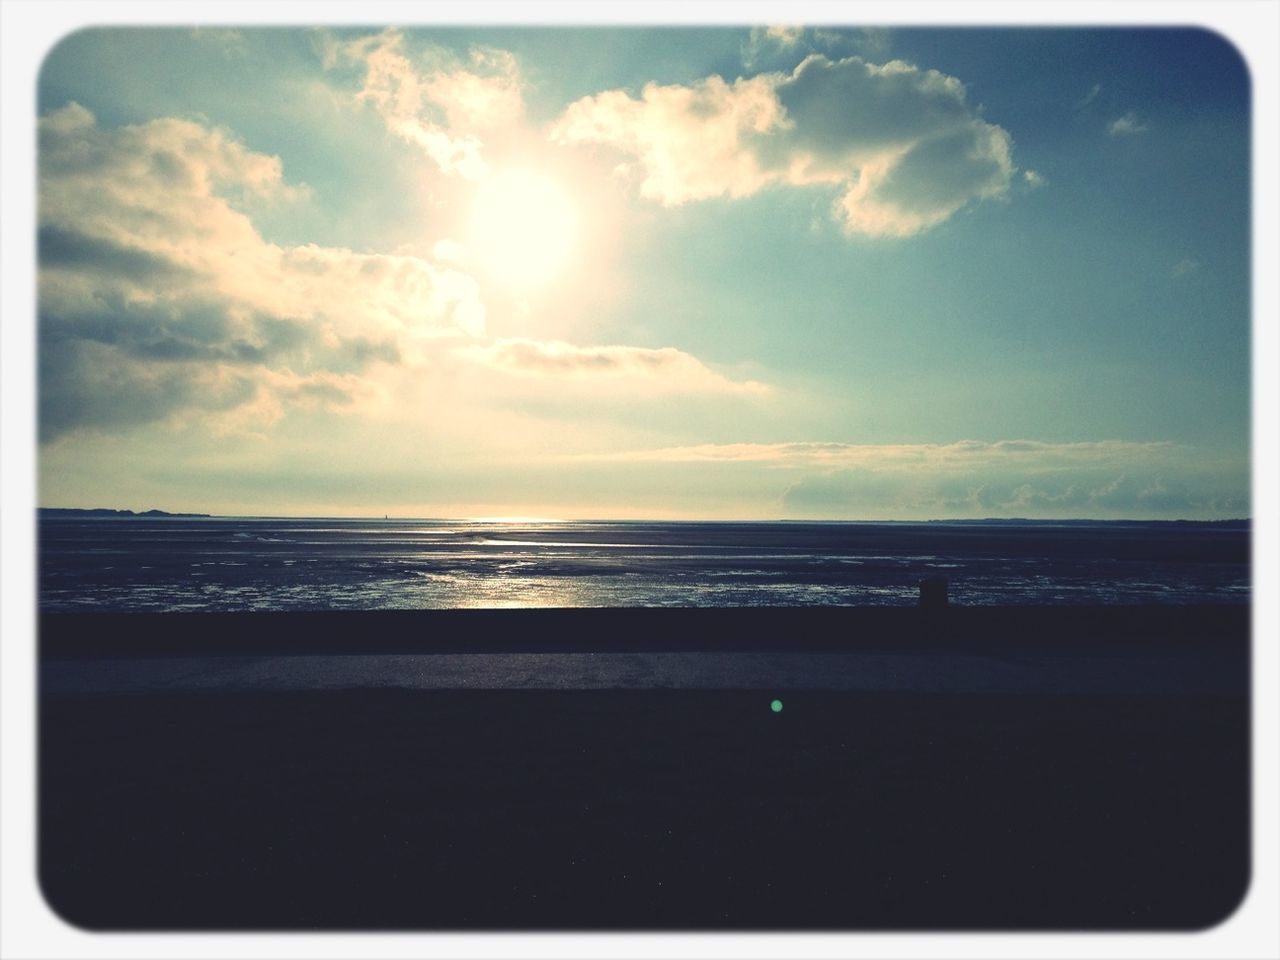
[385,807]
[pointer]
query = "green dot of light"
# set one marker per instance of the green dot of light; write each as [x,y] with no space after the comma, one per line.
[776,706]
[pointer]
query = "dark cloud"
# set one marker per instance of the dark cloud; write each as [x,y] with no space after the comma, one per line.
[929,178]
[59,248]
[176,330]
[94,386]
[843,105]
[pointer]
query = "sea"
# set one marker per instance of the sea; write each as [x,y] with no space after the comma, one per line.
[227,564]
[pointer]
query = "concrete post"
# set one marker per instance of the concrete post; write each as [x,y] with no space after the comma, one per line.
[933,593]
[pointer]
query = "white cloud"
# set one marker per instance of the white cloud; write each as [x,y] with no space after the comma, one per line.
[783,35]
[394,294]
[1184,267]
[901,145]
[663,369]
[783,46]
[1089,97]
[443,106]
[870,42]
[693,142]
[157,294]
[1034,179]
[231,43]
[766,42]
[1127,126]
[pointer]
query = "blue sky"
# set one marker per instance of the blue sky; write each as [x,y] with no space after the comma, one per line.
[626,272]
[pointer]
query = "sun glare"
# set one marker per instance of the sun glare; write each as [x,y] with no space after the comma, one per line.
[523,227]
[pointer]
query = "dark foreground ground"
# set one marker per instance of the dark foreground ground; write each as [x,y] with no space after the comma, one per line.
[562,809]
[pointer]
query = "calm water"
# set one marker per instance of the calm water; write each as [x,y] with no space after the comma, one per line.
[228,564]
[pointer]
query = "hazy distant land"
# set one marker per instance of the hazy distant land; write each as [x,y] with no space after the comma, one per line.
[73,512]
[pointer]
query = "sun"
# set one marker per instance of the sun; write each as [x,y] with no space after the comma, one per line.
[523,227]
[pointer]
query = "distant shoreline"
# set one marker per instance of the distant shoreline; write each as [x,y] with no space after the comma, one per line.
[75,513]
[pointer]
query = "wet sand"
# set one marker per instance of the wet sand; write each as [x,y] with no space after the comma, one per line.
[384,806]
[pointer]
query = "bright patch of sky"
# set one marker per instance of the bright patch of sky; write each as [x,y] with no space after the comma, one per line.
[642,272]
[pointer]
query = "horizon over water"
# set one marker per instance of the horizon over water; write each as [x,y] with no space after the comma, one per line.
[130,562]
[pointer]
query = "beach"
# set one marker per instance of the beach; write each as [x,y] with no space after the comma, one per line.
[902,782]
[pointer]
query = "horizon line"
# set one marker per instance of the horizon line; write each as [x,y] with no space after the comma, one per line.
[122,513]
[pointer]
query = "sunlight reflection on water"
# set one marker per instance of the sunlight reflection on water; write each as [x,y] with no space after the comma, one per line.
[227,565]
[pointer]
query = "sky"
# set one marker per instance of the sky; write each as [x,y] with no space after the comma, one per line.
[750,273]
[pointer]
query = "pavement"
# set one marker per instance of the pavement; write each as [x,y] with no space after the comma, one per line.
[1181,672]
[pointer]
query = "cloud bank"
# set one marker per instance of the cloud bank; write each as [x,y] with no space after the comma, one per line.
[159,298]
[157,294]
[901,146]
[1022,478]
